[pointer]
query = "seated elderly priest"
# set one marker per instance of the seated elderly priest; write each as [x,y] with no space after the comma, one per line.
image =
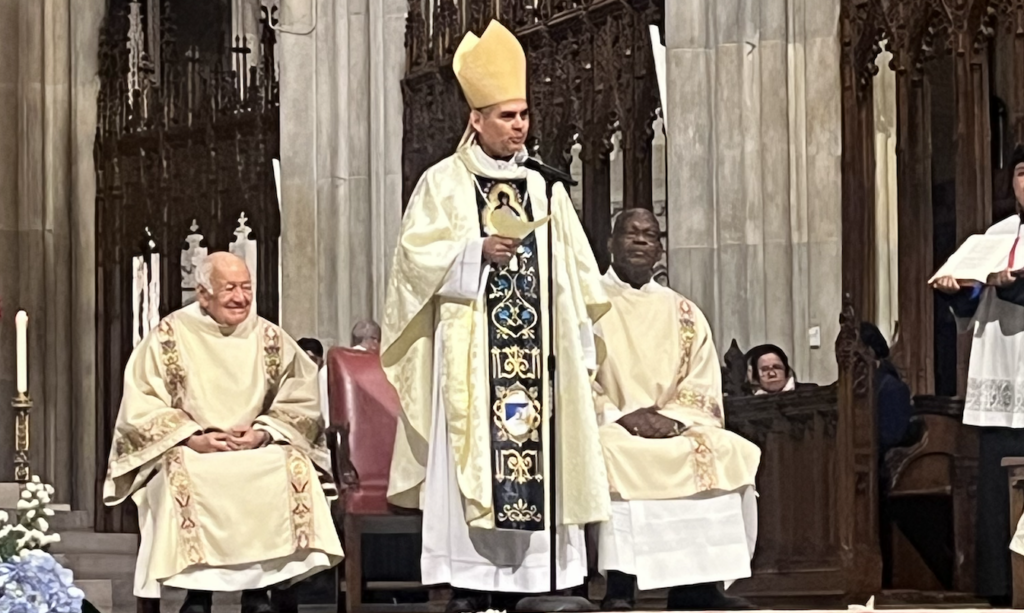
[683,509]
[219,441]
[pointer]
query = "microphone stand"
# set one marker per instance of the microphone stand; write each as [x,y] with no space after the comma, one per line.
[553,601]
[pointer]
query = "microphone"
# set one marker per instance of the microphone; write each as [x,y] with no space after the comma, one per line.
[550,174]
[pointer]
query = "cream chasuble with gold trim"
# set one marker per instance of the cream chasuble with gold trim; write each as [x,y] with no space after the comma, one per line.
[660,352]
[483,408]
[232,520]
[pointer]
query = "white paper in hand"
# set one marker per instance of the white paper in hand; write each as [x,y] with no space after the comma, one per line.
[508,224]
[979,256]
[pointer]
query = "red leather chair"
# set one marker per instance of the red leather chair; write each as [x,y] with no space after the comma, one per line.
[364,418]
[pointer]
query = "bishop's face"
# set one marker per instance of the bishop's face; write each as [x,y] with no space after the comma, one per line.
[501,129]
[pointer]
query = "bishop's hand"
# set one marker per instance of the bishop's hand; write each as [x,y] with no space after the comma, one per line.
[649,423]
[499,249]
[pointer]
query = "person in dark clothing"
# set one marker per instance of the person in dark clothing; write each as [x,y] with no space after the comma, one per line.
[892,394]
[894,410]
[314,349]
[769,372]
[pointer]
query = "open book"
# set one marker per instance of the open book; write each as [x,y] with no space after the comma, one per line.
[980,256]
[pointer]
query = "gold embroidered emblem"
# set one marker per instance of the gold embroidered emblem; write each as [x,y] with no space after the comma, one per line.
[517,413]
[515,362]
[520,467]
[519,512]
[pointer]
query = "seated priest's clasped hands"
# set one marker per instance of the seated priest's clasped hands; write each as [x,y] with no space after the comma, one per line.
[683,508]
[219,441]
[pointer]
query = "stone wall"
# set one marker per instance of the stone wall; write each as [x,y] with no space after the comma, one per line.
[754,149]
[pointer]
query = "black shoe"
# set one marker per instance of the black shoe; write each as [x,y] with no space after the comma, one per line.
[257,601]
[467,601]
[620,592]
[197,602]
[616,604]
[705,597]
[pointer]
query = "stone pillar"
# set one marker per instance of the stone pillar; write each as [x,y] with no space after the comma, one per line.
[86,20]
[44,63]
[9,235]
[753,184]
[341,157]
[387,41]
[47,107]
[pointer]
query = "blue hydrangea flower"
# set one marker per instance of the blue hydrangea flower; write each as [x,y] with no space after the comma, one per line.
[36,583]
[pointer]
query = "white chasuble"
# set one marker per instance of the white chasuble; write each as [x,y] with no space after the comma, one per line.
[231,520]
[683,508]
[465,345]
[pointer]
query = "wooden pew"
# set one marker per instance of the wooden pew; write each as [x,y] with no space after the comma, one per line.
[818,484]
[939,462]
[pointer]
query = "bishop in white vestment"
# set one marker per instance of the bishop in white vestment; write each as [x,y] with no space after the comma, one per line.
[994,315]
[220,443]
[683,508]
[465,339]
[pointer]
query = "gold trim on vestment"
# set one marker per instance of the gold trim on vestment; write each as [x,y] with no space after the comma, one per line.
[129,439]
[708,405]
[271,355]
[174,372]
[704,471]
[300,478]
[190,543]
[689,397]
[310,428]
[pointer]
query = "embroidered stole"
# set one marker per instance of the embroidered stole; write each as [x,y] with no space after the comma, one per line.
[515,350]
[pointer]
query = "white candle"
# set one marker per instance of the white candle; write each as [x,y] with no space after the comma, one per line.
[21,325]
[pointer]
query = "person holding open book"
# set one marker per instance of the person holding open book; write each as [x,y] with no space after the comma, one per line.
[984,284]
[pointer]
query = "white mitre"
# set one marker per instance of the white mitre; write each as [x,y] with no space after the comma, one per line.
[491,68]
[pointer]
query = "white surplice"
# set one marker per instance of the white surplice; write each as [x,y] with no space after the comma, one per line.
[995,378]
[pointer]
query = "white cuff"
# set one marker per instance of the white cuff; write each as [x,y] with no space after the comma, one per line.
[610,414]
[463,280]
[589,347]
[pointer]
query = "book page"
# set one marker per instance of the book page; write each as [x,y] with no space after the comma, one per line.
[979,256]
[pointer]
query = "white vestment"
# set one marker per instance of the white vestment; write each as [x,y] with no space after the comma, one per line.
[684,509]
[995,377]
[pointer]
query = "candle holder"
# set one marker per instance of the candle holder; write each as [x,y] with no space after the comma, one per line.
[22,405]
